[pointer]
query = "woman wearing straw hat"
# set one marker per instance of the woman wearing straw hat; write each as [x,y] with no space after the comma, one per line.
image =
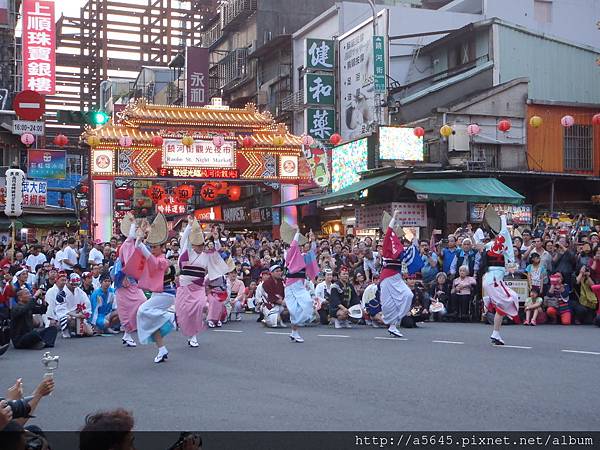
[197,264]
[154,319]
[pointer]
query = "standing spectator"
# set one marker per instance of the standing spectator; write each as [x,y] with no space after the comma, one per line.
[430,263]
[536,273]
[96,257]
[595,266]
[370,264]
[36,257]
[448,254]
[564,260]
[70,256]
[537,246]
[323,294]
[25,333]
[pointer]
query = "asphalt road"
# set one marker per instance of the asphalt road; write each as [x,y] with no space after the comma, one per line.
[245,377]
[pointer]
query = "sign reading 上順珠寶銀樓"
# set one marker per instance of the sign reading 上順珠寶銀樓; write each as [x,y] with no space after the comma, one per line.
[39,43]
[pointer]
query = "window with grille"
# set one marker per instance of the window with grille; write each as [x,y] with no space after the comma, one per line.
[74,166]
[487,154]
[578,147]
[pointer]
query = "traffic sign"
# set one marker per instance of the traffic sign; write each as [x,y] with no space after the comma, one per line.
[25,126]
[29,105]
[379,63]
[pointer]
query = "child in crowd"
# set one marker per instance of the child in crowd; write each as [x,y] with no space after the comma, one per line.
[536,273]
[533,306]
[557,300]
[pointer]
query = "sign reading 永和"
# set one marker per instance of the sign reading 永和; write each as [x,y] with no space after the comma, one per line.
[39,43]
[319,89]
[319,54]
[201,153]
[379,63]
[196,86]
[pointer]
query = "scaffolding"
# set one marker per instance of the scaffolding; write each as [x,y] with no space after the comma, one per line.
[113,38]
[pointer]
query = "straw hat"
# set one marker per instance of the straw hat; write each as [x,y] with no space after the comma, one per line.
[288,232]
[385,223]
[159,231]
[126,223]
[196,234]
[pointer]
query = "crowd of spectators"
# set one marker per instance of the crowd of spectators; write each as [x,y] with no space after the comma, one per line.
[64,273]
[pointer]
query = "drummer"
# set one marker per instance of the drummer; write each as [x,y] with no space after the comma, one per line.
[343,297]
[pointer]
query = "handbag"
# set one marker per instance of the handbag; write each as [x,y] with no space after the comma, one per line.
[587,297]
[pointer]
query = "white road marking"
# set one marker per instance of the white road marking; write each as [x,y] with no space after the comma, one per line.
[390,338]
[333,335]
[229,331]
[277,332]
[449,342]
[513,346]
[580,352]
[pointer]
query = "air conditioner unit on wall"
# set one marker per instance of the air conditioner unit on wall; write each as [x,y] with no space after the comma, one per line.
[458,141]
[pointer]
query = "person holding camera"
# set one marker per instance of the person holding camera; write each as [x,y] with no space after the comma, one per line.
[557,300]
[23,329]
[585,302]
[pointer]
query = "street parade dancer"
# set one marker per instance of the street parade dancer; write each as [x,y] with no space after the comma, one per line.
[198,264]
[128,295]
[154,319]
[497,254]
[297,299]
[395,296]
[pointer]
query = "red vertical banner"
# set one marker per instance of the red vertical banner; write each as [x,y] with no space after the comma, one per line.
[39,46]
[196,80]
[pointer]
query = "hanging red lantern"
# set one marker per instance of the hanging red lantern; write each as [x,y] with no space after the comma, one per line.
[85,189]
[335,139]
[157,141]
[208,192]
[156,192]
[248,142]
[504,125]
[61,140]
[141,202]
[184,193]
[419,132]
[596,119]
[234,193]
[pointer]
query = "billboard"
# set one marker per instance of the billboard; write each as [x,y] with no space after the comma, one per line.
[400,144]
[356,72]
[520,214]
[196,80]
[39,44]
[347,161]
[46,164]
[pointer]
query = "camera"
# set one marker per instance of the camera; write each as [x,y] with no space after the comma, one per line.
[20,408]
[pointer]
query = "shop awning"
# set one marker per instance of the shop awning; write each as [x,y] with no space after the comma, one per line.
[481,190]
[299,201]
[353,191]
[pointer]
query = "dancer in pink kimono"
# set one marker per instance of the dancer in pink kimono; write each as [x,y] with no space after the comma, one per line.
[297,299]
[129,296]
[198,264]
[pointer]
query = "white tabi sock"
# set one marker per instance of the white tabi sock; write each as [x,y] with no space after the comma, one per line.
[163,350]
[393,328]
[496,335]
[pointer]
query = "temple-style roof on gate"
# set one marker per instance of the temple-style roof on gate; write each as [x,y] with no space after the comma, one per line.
[175,121]
[142,112]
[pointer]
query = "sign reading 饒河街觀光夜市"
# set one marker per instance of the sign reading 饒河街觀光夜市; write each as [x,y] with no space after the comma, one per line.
[202,153]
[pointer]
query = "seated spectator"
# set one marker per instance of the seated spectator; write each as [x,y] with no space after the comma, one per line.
[372,305]
[69,307]
[594,264]
[419,311]
[7,292]
[533,306]
[360,283]
[107,430]
[583,303]
[87,283]
[103,308]
[556,300]
[250,295]
[20,282]
[343,296]
[439,293]
[322,296]
[25,333]
[462,293]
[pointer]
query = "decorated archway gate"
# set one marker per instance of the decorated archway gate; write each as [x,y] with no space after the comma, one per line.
[151,144]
